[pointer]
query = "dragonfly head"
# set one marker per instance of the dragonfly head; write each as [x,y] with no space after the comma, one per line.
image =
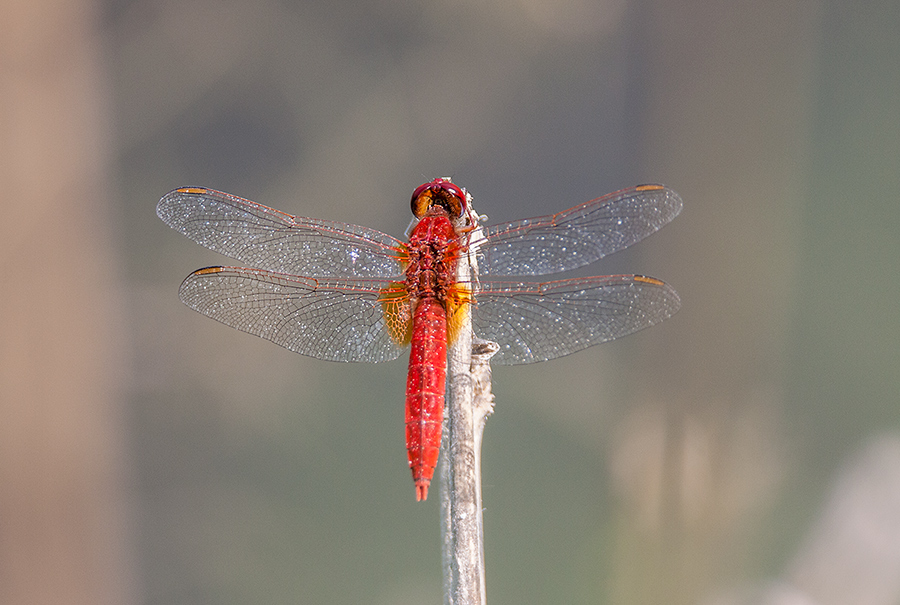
[439,193]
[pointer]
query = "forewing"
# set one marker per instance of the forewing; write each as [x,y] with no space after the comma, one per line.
[336,320]
[266,238]
[578,236]
[539,321]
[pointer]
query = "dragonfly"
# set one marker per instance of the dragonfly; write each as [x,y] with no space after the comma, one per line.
[342,292]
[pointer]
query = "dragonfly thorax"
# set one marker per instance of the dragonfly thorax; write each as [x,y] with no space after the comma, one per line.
[433,251]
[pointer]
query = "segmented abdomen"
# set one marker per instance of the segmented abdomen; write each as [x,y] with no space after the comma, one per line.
[425,391]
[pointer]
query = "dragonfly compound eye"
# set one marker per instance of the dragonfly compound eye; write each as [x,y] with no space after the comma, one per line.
[439,192]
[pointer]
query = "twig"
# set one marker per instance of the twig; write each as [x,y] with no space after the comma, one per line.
[469,404]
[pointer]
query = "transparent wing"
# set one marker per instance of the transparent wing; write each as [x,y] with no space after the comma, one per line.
[333,319]
[538,321]
[578,236]
[268,239]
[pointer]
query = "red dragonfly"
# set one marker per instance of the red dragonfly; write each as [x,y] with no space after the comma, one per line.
[341,292]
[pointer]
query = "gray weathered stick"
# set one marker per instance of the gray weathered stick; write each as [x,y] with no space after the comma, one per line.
[469,404]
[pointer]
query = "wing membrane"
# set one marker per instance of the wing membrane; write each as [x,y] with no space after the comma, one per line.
[332,319]
[268,239]
[578,236]
[539,321]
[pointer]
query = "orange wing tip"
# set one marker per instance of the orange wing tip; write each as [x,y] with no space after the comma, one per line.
[208,270]
[652,187]
[199,190]
[649,280]
[422,490]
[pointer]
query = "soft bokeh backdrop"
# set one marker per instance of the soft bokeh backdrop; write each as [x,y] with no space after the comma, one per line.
[745,451]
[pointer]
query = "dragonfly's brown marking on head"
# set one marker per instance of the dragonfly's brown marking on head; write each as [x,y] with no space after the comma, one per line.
[439,193]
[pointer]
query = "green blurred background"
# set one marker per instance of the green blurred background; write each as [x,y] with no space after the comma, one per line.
[150,455]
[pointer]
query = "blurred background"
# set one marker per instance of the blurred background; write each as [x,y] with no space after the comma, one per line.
[745,451]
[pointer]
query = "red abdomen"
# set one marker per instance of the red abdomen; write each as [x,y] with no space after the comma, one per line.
[425,391]
[429,279]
